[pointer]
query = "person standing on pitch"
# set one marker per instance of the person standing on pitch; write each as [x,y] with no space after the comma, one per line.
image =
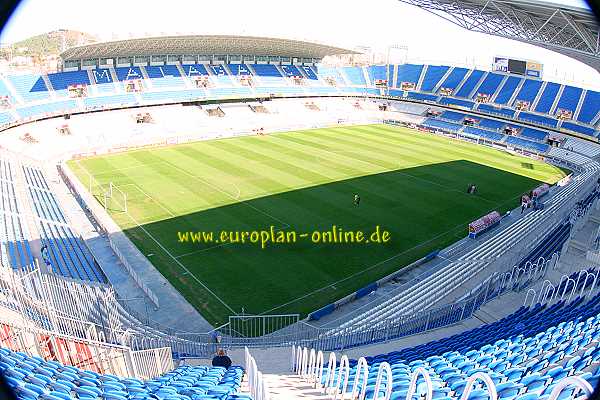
[356,199]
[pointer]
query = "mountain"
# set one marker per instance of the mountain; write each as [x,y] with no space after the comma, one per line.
[51,43]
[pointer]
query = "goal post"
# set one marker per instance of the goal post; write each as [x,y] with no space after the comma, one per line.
[115,199]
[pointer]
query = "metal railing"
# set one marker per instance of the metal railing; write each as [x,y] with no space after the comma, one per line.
[308,365]
[152,363]
[257,385]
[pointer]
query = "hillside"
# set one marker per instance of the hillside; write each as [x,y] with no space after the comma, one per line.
[51,43]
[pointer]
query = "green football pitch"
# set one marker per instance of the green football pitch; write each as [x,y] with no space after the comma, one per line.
[412,185]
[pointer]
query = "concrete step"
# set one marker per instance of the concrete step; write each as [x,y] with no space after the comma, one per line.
[291,387]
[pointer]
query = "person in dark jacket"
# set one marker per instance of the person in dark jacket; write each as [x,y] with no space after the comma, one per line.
[221,359]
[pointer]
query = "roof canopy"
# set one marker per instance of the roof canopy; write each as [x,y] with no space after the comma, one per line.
[572,31]
[203,44]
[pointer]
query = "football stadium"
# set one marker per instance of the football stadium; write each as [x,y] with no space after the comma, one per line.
[236,213]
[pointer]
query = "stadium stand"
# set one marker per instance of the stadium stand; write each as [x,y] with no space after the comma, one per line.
[62,80]
[483,133]
[354,75]
[266,70]
[590,107]
[238,69]
[423,96]
[33,377]
[527,144]
[6,118]
[582,148]
[491,124]
[30,87]
[129,73]
[535,134]
[524,356]
[488,108]
[218,70]
[16,251]
[490,84]
[290,70]
[167,78]
[569,98]
[529,90]
[453,116]
[408,73]
[454,79]
[586,130]
[310,73]
[457,102]
[548,97]
[378,72]
[194,69]
[68,254]
[538,119]
[41,110]
[507,90]
[102,75]
[469,85]
[435,123]
[433,75]
[162,71]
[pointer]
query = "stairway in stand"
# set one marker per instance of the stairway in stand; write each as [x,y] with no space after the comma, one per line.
[291,387]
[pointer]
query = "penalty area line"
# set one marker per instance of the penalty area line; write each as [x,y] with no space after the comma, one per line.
[187,271]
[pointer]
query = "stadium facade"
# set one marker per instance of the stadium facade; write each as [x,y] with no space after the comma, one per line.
[197,49]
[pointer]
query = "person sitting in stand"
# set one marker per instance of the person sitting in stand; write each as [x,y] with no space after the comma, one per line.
[221,359]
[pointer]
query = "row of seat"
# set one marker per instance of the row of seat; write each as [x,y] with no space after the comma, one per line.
[16,250]
[525,354]
[66,253]
[465,81]
[34,378]
[481,132]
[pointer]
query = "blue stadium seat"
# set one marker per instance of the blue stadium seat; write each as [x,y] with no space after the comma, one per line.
[470,83]
[218,70]
[457,102]
[488,108]
[538,119]
[129,73]
[290,70]
[62,80]
[590,107]
[578,128]
[534,134]
[529,90]
[508,89]
[355,75]
[547,98]
[408,73]
[378,72]
[527,144]
[490,84]
[432,77]
[239,69]
[483,133]
[569,98]
[162,71]
[310,73]
[102,76]
[29,87]
[491,124]
[194,69]
[454,78]
[266,70]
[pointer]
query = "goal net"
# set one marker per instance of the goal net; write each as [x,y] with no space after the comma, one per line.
[115,199]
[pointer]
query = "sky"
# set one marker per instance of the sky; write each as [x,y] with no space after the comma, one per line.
[348,23]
